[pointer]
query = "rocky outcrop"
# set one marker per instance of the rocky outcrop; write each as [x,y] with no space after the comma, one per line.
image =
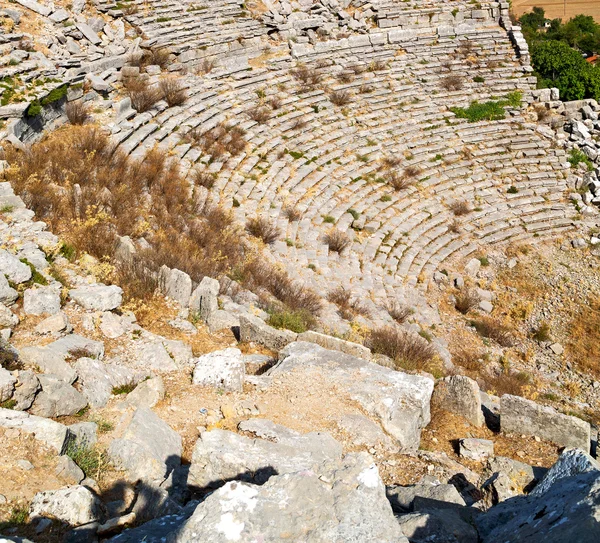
[398,401]
[345,501]
[567,511]
[220,455]
[571,462]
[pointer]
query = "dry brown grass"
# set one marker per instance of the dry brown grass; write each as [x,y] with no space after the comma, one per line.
[216,142]
[308,77]
[399,312]
[348,306]
[259,114]
[158,56]
[204,178]
[337,240]
[340,98]
[460,207]
[274,102]
[584,336]
[408,350]
[143,96]
[390,162]
[173,91]
[345,77]
[262,228]
[493,329]
[205,67]
[77,112]
[398,181]
[292,213]
[465,300]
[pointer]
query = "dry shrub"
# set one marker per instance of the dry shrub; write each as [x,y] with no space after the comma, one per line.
[460,207]
[337,240]
[466,48]
[366,89]
[348,306]
[507,383]
[542,112]
[465,300]
[377,66]
[493,329]
[143,96]
[397,181]
[452,83]
[292,213]
[156,57]
[469,359]
[412,171]
[358,68]
[262,228]
[130,9]
[204,178]
[136,277]
[408,350]
[274,102]
[389,162]
[340,98]
[346,77]
[258,274]
[77,112]
[308,77]
[584,336]
[454,227]
[399,311]
[299,124]
[172,91]
[259,114]
[221,139]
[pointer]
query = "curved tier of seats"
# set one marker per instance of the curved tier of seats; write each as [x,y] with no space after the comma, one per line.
[326,160]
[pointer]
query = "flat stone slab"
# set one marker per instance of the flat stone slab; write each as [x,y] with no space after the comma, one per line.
[521,416]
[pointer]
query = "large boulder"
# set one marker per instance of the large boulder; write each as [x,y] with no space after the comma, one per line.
[254,329]
[47,431]
[220,455]
[223,369]
[459,394]
[343,503]
[398,401]
[75,505]
[41,301]
[402,498]
[97,297]
[570,463]
[567,511]
[521,416]
[148,450]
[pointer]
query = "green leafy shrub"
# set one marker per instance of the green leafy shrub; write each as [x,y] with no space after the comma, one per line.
[576,156]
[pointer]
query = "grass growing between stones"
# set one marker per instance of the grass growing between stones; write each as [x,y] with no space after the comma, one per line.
[92,460]
[296,321]
[493,110]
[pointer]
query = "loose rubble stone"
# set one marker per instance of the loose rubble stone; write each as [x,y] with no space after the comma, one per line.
[147,394]
[7,318]
[69,471]
[223,369]
[254,329]
[459,394]
[14,270]
[54,324]
[522,416]
[7,385]
[476,449]
[400,402]
[41,301]
[94,381]
[57,398]
[97,297]
[27,386]
[8,295]
[75,505]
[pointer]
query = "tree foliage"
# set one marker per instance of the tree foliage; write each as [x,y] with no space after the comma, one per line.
[558,53]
